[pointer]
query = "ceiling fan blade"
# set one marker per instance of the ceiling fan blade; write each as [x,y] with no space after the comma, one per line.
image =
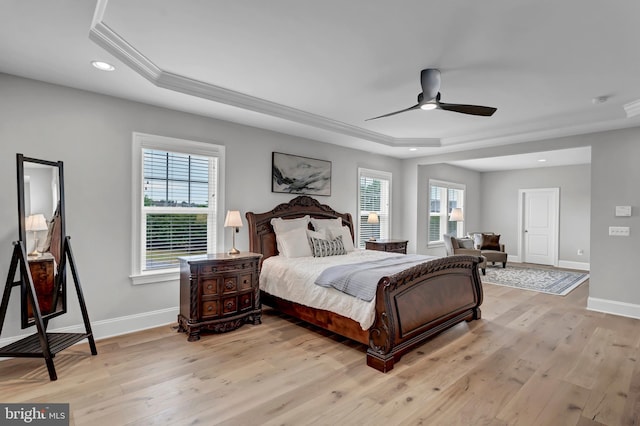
[417,106]
[430,82]
[468,109]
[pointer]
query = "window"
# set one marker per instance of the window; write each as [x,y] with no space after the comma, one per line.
[374,196]
[443,197]
[176,197]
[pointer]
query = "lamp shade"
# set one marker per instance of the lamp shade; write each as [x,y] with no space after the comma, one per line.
[36,222]
[233,219]
[456,215]
[373,218]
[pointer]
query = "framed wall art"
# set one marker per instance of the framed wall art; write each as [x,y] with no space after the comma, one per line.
[293,174]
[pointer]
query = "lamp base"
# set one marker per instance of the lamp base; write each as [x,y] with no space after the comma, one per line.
[234,251]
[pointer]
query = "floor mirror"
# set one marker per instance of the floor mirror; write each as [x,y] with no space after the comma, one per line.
[41,257]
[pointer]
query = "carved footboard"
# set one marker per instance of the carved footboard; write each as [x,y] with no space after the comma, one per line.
[419,302]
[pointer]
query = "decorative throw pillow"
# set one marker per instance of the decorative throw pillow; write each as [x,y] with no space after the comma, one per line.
[323,248]
[345,233]
[293,243]
[490,242]
[465,243]
[477,240]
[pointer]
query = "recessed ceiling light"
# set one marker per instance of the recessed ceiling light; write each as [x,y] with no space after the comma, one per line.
[542,160]
[413,149]
[103,66]
[428,106]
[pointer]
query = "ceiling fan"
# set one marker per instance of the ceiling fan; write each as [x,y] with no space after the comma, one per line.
[430,98]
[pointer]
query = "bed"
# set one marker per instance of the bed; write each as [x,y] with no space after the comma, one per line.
[409,306]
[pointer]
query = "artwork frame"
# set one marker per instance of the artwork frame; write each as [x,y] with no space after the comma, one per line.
[295,174]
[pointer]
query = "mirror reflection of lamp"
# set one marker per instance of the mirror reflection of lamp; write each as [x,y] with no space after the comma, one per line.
[233,220]
[35,223]
[373,218]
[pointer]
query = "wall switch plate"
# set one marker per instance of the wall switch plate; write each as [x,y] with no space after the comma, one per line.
[619,231]
[624,211]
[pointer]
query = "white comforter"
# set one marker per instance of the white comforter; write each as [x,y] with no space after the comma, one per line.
[293,279]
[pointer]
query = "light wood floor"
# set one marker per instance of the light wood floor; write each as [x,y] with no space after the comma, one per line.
[533,359]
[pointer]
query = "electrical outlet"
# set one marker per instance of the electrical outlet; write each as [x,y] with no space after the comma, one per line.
[619,231]
[580,252]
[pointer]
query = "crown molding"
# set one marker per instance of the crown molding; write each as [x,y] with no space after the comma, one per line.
[112,42]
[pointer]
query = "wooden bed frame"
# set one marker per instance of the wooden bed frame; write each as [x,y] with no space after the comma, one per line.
[411,306]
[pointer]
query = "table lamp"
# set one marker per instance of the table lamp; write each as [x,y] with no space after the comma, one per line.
[234,221]
[373,218]
[456,215]
[35,223]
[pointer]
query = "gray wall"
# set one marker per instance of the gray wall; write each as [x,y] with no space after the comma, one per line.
[499,203]
[92,134]
[615,178]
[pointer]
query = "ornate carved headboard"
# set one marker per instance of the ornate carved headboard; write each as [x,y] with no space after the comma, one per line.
[262,238]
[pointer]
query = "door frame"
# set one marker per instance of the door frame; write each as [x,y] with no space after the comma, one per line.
[555,222]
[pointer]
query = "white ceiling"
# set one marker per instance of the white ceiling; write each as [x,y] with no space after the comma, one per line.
[319,69]
[556,158]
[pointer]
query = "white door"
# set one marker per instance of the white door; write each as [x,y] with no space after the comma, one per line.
[540,213]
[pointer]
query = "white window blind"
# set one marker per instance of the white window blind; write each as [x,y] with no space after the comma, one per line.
[374,196]
[443,197]
[177,209]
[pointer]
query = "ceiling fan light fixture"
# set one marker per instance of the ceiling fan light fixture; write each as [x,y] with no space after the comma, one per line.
[428,106]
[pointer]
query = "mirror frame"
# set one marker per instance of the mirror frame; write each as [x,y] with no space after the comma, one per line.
[60,280]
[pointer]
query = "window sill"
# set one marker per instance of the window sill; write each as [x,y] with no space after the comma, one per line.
[155,277]
[435,244]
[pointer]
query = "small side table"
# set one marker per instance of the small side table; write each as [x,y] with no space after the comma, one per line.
[218,292]
[393,246]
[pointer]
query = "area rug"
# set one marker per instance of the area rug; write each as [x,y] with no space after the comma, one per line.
[551,281]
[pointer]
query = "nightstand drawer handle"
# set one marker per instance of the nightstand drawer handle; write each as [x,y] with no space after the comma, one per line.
[229,285]
[210,308]
[245,281]
[229,305]
[210,286]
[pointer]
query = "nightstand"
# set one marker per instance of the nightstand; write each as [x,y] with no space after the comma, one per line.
[218,292]
[394,246]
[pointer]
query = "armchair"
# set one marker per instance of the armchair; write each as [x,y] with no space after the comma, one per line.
[464,246]
[492,255]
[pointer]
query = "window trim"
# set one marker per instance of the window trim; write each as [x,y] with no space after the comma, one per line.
[375,174]
[448,185]
[147,141]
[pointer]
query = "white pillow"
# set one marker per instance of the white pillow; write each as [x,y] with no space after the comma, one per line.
[284,225]
[347,240]
[320,224]
[294,243]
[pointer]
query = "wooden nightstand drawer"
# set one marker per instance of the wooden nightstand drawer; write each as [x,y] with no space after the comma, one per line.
[229,305]
[229,284]
[246,281]
[210,308]
[246,301]
[209,285]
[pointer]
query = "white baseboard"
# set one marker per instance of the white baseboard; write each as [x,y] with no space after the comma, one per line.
[613,307]
[115,326]
[568,264]
[513,258]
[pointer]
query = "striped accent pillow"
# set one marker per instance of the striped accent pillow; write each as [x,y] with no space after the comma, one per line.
[323,248]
